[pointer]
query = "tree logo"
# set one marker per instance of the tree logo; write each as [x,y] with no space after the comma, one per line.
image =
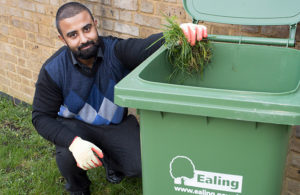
[182,170]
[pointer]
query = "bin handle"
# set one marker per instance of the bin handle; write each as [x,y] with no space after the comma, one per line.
[292,33]
[256,40]
[251,40]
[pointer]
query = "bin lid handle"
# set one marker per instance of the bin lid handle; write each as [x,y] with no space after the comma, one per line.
[292,34]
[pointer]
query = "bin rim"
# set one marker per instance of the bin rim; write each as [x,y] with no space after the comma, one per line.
[275,108]
[218,90]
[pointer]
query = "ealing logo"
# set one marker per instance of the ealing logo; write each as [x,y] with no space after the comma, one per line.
[183,171]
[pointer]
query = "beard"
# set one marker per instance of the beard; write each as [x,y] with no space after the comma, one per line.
[87,53]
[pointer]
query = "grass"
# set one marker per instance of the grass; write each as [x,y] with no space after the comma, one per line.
[27,161]
[186,60]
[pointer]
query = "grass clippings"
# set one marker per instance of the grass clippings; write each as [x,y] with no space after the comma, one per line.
[185,59]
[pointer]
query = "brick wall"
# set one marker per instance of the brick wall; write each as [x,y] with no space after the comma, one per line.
[292,178]
[28,37]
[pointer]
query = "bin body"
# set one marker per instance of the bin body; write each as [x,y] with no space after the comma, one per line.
[225,132]
[255,152]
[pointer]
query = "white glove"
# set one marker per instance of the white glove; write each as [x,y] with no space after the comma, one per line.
[83,153]
[193,32]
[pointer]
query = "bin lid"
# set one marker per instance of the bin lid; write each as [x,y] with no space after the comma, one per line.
[245,12]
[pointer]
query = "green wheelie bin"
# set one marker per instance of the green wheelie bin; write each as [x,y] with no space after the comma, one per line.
[225,132]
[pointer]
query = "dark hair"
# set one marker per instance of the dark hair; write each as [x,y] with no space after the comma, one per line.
[69,10]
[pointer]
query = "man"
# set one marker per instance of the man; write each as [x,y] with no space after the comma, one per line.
[73,103]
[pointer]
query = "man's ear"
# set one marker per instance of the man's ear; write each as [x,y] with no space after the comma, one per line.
[62,39]
[95,22]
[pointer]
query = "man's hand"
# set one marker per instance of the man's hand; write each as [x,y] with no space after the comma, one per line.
[83,153]
[193,32]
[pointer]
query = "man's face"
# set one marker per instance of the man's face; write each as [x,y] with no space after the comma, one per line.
[80,34]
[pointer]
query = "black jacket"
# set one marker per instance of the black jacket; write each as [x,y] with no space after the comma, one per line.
[48,96]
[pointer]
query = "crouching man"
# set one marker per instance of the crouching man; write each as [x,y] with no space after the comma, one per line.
[74,106]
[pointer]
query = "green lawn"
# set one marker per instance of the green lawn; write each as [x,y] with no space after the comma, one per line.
[27,161]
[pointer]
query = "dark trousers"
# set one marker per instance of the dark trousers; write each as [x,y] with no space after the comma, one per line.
[120,145]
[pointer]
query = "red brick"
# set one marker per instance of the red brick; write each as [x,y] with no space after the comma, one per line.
[43,40]
[24,72]
[40,8]
[30,36]
[126,28]
[170,10]
[126,4]
[125,15]
[42,19]
[10,58]
[43,1]
[147,6]
[293,186]
[20,52]
[15,12]
[27,5]
[27,90]
[250,29]
[294,173]
[295,159]
[220,29]
[4,81]
[145,20]
[9,66]
[3,38]
[107,12]
[275,31]
[13,76]
[146,31]
[17,32]
[108,24]
[4,88]
[4,29]
[21,62]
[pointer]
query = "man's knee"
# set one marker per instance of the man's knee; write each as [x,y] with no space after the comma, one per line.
[132,167]
[64,157]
